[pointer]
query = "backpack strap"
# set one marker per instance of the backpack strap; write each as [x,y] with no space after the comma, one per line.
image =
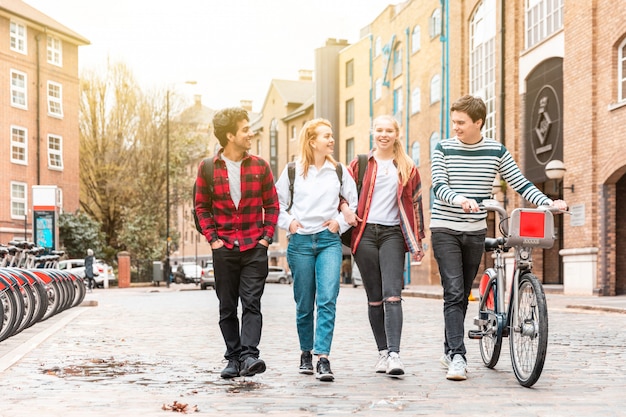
[291,174]
[362,163]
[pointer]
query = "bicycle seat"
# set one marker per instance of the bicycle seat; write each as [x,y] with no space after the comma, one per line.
[493,243]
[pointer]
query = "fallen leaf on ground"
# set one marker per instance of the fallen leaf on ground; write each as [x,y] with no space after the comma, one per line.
[180,408]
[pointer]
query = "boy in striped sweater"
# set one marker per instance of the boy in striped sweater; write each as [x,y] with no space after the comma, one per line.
[463,170]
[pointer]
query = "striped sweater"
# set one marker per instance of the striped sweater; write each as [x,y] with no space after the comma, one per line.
[465,170]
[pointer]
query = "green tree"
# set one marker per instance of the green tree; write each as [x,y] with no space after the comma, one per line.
[79,232]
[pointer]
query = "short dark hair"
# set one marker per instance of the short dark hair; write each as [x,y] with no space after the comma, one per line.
[226,121]
[474,107]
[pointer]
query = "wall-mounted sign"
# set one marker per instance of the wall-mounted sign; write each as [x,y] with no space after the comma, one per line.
[578,215]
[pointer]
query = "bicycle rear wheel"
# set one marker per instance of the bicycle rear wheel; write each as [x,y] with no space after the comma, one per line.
[529,331]
[491,329]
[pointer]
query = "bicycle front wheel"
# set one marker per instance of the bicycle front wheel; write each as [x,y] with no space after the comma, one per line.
[491,327]
[528,337]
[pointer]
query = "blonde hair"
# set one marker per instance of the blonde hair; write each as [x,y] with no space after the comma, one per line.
[402,159]
[308,134]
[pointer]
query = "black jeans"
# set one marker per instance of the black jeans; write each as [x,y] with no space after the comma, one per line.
[458,257]
[240,275]
[380,257]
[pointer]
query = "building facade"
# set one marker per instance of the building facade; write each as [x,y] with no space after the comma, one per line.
[39,131]
[553,80]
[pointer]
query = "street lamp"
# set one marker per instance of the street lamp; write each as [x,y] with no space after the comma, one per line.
[167,184]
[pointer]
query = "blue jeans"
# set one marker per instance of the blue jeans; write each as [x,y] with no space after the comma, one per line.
[458,256]
[380,258]
[315,263]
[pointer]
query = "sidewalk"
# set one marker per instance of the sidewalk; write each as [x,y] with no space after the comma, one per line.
[554,295]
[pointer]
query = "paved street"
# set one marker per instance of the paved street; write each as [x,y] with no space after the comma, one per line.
[141,348]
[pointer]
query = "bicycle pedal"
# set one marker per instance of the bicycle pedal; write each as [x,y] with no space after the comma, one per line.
[475,334]
[480,322]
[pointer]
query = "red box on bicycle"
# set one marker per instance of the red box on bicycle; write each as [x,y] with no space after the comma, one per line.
[531,228]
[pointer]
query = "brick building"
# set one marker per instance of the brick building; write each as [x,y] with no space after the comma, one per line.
[38,114]
[552,74]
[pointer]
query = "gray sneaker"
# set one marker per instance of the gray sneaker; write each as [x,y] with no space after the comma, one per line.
[395,367]
[445,361]
[457,370]
[381,365]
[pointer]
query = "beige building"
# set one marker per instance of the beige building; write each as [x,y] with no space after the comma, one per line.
[552,76]
[39,133]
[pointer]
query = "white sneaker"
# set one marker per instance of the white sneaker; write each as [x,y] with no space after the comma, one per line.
[381,365]
[445,360]
[457,370]
[395,367]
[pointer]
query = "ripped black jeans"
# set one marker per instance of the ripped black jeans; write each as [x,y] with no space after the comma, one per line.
[380,257]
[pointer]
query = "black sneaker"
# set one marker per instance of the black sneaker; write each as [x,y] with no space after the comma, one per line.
[323,370]
[306,363]
[252,366]
[231,370]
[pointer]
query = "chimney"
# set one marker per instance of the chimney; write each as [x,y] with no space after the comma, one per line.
[246,105]
[197,100]
[305,75]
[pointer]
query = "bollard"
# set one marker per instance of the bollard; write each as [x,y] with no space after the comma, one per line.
[123,262]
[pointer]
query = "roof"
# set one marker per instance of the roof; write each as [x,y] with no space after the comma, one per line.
[310,102]
[293,92]
[39,20]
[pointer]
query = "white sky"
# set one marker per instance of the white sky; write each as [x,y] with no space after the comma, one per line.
[231,48]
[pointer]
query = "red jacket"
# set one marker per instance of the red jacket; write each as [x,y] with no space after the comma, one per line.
[409,205]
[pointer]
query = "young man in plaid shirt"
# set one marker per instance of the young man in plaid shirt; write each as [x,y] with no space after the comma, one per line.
[238,219]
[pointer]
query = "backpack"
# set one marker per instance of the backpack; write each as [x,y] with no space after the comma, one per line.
[207,174]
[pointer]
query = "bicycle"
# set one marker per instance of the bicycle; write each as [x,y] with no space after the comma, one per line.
[524,319]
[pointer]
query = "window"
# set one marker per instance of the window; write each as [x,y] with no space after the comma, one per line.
[416,97]
[483,62]
[435,89]
[294,132]
[434,139]
[18,89]
[55,152]
[55,99]
[378,89]
[349,150]
[19,145]
[397,104]
[378,46]
[397,61]
[55,51]
[434,25]
[350,112]
[18,200]
[543,18]
[18,37]
[416,44]
[621,72]
[350,73]
[274,147]
[415,153]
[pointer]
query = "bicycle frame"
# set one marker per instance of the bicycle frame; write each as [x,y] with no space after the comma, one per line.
[527,328]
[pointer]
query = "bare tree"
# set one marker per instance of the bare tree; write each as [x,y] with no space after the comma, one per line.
[123,159]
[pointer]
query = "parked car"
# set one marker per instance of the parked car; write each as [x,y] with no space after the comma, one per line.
[77,266]
[279,275]
[192,273]
[208,278]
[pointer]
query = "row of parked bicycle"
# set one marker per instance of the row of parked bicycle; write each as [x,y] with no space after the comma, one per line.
[32,289]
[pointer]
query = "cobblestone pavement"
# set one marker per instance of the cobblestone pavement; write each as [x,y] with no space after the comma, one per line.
[141,348]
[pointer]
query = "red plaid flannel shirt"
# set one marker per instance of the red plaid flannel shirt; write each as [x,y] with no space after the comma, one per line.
[258,209]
